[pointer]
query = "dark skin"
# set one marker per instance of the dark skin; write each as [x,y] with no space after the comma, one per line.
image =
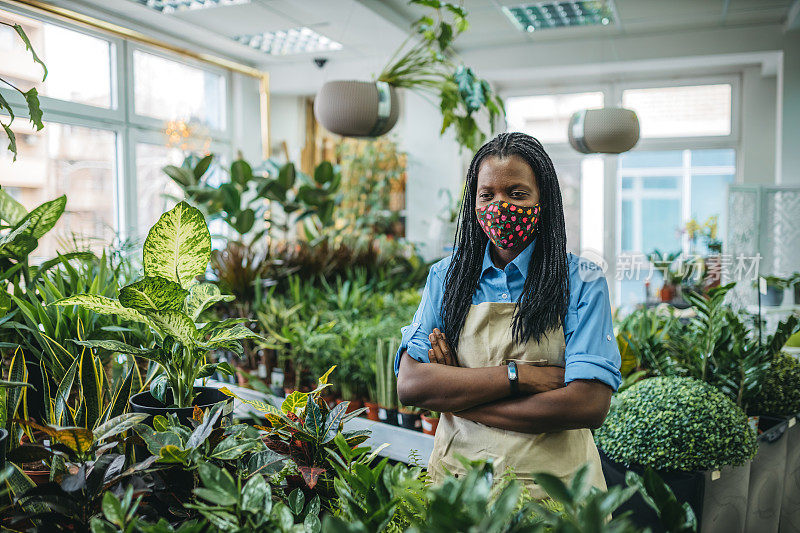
[544,403]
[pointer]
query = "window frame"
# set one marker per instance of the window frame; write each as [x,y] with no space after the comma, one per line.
[121,118]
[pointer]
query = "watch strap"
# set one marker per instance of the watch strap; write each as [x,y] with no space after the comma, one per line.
[513,377]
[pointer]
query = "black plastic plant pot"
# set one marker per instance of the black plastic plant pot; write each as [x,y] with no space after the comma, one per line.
[409,421]
[3,447]
[387,416]
[144,402]
[767,475]
[773,297]
[790,508]
[717,497]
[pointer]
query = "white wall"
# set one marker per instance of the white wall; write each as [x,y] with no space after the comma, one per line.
[287,120]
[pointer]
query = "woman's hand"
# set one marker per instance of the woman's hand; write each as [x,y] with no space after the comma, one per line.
[440,351]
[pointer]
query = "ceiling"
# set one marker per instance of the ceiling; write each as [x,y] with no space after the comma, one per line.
[371,30]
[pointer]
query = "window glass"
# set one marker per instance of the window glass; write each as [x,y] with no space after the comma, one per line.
[688,111]
[156,192]
[78,65]
[170,90]
[547,117]
[71,160]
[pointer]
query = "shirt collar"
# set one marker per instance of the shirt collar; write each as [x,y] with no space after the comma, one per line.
[521,261]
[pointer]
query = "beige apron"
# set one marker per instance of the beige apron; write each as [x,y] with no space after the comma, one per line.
[486,340]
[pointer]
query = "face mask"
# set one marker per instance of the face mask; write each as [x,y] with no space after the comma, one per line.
[508,225]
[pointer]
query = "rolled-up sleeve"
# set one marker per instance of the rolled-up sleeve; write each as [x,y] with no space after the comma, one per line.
[426,318]
[591,347]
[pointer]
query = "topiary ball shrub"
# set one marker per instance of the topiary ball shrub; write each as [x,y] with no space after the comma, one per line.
[780,389]
[675,423]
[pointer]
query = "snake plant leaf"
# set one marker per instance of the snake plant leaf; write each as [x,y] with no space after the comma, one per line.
[174,324]
[17,372]
[64,388]
[91,387]
[296,400]
[118,424]
[153,293]
[102,305]
[202,296]
[122,396]
[178,246]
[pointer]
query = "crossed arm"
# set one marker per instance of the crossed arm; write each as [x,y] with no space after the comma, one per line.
[483,395]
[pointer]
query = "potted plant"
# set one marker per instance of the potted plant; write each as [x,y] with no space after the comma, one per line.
[775,288]
[386,387]
[671,276]
[698,441]
[169,299]
[794,282]
[430,421]
[408,416]
[368,109]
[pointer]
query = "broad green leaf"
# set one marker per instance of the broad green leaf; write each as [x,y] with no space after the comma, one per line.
[35,112]
[315,420]
[297,501]
[261,406]
[232,448]
[217,479]
[113,346]
[241,172]
[178,246]
[255,494]
[172,454]
[64,388]
[11,210]
[202,296]
[102,305]
[179,175]
[153,293]
[112,510]
[295,400]
[202,167]
[44,217]
[175,324]
[236,333]
[323,173]
[118,424]
[287,176]
[13,235]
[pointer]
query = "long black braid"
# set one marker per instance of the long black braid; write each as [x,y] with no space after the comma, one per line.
[545,296]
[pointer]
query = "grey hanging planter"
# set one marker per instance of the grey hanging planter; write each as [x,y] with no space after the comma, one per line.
[357,108]
[610,130]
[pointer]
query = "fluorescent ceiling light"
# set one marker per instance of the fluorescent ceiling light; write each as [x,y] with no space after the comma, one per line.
[170,6]
[291,41]
[564,13]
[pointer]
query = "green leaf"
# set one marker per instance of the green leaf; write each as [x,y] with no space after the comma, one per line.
[64,389]
[295,400]
[244,220]
[172,454]
[178,246]
[102,305]
[113,510]
[153,293]
[297,501]
[113,346]
[175,324]
[255,494]
[179,175]
[225,336]
[32,98]
[29,46]
[232,448]
[118,424]
[91,387]
[12,140]
[44,217]
[11,210]
[287,176]
[241,172]
[217,479]
[202,167]
[323,173]
[202,296]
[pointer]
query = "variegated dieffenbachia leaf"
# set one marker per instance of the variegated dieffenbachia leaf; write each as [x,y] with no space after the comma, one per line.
[44,217]
[226,336]
[153,293]
[178,246]
[202,296]
[113,346]
[103,305]
[10,209]
[175,324]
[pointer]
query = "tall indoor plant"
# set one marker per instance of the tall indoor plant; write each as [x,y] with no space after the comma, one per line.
[170,300]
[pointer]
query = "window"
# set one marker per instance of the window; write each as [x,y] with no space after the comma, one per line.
[547,117]
[107,128]
[71,160]
[78,65]
[659,192]
[687,111]
[169,90]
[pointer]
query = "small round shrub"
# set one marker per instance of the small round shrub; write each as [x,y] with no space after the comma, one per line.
[780,389]
[676,423]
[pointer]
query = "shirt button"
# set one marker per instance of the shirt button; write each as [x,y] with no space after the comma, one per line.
[608,337]
[504,295]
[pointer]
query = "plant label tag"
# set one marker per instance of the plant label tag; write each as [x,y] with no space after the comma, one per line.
[762,285]
[715,475]
[792,421]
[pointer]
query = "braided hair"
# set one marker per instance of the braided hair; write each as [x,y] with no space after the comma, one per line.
[543,303]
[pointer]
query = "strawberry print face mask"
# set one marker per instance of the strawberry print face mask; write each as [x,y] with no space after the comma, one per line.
[508,225]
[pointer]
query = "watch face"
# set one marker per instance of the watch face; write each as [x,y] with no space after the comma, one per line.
[512,372]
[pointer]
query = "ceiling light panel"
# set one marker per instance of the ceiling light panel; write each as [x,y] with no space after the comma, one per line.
[170,6]
[291,41]
[565,13]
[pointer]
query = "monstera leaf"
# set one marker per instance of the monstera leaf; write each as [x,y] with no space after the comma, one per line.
[178,246]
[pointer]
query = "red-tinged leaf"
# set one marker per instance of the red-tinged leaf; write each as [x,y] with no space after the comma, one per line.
[311,474]
[197,414]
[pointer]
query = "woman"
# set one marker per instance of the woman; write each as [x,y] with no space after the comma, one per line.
[510,297]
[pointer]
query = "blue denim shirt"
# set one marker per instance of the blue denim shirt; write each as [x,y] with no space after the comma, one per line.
[591,347]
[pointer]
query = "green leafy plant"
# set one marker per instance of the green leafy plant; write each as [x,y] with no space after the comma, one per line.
[169,299]
[229,504]
[427,65]
[31,95]
[386,389]
[779,394]
[674,423]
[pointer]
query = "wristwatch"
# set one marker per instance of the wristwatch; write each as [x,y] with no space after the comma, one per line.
[513,377]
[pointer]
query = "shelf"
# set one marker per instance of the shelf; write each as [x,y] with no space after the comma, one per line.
[401,440]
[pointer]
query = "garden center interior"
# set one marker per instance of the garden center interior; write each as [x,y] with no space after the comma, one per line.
[225,227]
